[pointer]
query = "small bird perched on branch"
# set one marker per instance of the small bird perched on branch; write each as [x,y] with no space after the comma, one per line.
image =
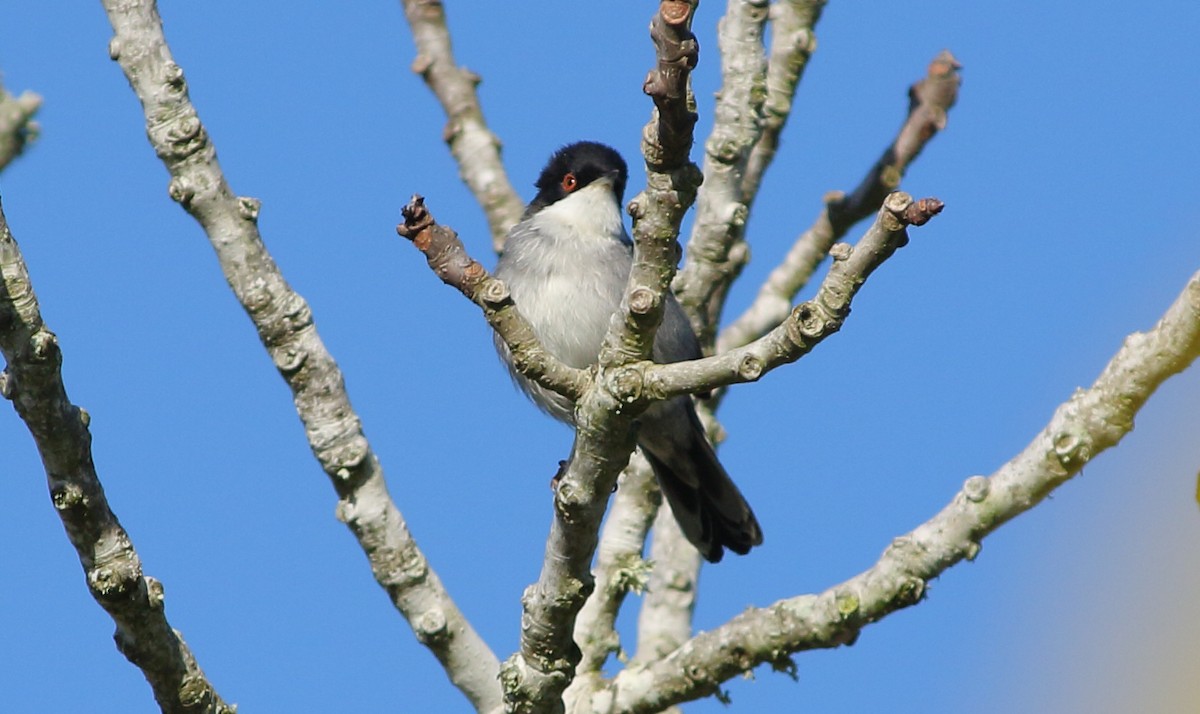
[566,264]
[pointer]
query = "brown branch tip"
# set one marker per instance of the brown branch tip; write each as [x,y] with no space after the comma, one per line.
[920,211]
[678,50]
[416,219]
[940,86]
[443,250]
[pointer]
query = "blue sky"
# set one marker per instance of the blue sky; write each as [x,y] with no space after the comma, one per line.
[1068,170]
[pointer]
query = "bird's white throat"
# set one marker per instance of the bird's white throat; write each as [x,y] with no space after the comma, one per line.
[589,214]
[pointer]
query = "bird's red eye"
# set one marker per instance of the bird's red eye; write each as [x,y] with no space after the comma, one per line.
[570,183]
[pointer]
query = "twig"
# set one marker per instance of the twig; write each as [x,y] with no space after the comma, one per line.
[671,182]
[665,620]
[620,568]
[792,43]
[448,258]
[17,128]
[1091,421]
[285,326]
[716,254]
[716,250]
[667,138]
[535,678]
[930,100]
[33,381]
[671,178]
[667,609]
[473,145]
[807,325]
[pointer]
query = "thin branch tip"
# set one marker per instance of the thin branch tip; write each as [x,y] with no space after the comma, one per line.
[416,216]
[921,211]
[944,63]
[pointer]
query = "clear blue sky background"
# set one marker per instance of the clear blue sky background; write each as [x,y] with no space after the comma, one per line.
[1069,170]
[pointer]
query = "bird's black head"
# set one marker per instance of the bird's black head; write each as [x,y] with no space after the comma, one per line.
[574,166]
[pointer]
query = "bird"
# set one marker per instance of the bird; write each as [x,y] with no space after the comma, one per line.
[566,264]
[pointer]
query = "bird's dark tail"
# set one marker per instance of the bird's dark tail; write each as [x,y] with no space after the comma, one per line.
[709,508]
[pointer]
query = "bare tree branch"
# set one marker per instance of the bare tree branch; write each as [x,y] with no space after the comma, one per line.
[17,127]
[33,381]
[620,567]
[665,621]
[473,145]
[639,383]
[716,249]
[448,258]
[1091,421]
[929,101]
[667,616]
[792,43]
[535,677]
[811,321]
[671,182]
[285,326]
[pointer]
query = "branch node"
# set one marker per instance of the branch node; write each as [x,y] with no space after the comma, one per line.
[181,191]
[919,212]
[833,197]
[107,583]
[750,368]
[430,626]
[421,65]
[847,604]
[248,208]
[45,345]
[289,361]
[1071,448]
[976,488]
[642,300]
[625,384]
[808,321]
[67,496]
[155,594]
[416,218]
[173,74]
[495,293]
[897,202]
[911,591]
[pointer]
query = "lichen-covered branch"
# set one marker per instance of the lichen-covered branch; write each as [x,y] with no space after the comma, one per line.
[671,182]
[17,127]
[448,258]
[473,145]
[1091,421]
[620,568]
[930,100]
[536,676]
[808,324]
[742,145]
[671,178]
[32,380]
[285,326]
[792,43]
[716,249]
[665,620]
[667,138]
